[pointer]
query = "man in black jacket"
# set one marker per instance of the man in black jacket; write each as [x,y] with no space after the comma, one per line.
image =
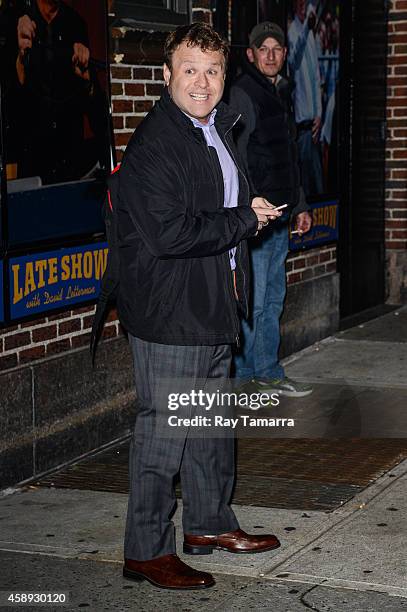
[183,218]
[267,144]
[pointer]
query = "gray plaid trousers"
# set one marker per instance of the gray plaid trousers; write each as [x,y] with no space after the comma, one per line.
[206,465]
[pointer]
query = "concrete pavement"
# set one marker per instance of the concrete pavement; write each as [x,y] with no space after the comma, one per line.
[354,558]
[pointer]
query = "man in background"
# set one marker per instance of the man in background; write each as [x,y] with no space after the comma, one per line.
[267,144]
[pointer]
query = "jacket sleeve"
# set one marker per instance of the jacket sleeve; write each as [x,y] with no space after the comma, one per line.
[152,194]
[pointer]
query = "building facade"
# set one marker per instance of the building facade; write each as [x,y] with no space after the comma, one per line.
[54,405]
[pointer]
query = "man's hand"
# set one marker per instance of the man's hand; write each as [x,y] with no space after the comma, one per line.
[25,33]
[26,29]
[265,211]
[303,223]
[80,61]
[316,129]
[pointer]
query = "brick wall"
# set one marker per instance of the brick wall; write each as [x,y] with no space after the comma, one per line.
[313,263]
[396,153]
[40,338]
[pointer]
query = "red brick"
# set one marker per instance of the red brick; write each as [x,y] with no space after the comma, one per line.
[17,340]
[294,277]
[400,91]
[118,123]
[10,328]
[109,331]
[399,173]
[119,72]
[121,139]
[134,89]
[142,106]
[119,155]
[154,89]
[33,322]
[158,74]
[84,310]
[396,204]
[401,5]
[299,263]
[67,327]
[142,73]
[122,106]
[396,144]
[398,245]
[38,352]
[398,37]
[397,102]
[397,60]
[58,347]
[87,322]
[400,133]
[400,154]
[311,261]
[133,122]
[400,70]
[399,234]
[44,333]
[401,26]
[8,361]
[394,223]
[80,340]
[325,256]
[61,315]
[117,89]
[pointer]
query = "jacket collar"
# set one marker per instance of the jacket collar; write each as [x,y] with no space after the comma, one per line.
[225,119]
[262,80]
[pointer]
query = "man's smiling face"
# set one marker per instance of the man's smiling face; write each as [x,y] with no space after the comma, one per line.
[196,80]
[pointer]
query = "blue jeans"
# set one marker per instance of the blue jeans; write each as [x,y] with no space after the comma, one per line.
[258,356]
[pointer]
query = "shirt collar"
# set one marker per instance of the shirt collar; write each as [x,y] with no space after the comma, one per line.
[198,123]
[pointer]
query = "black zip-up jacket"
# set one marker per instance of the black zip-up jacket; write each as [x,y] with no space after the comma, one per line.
[266,137]
[176,285]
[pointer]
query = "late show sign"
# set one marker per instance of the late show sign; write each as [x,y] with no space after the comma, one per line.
[325,216]
[55,279]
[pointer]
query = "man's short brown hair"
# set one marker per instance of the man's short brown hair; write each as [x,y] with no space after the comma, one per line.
[195,35]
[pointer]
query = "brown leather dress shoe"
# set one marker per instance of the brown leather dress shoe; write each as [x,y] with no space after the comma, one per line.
[235,541]
[167,572]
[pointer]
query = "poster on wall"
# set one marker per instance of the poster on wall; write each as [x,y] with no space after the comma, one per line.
[313,65]
[55,279]
[56,84]
[324,229]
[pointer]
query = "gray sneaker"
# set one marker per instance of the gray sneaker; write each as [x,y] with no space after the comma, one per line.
[284,386]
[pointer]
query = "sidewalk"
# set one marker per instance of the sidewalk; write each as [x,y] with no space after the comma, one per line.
[351,558]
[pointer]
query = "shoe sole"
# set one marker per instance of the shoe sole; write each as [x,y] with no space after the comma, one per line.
[294,393]
[208,550]
[136,577]
[271,392]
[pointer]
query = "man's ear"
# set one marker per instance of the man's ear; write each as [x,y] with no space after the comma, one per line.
[250,55]
[167,74]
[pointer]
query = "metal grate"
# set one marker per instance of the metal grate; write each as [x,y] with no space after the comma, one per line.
[293,474]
